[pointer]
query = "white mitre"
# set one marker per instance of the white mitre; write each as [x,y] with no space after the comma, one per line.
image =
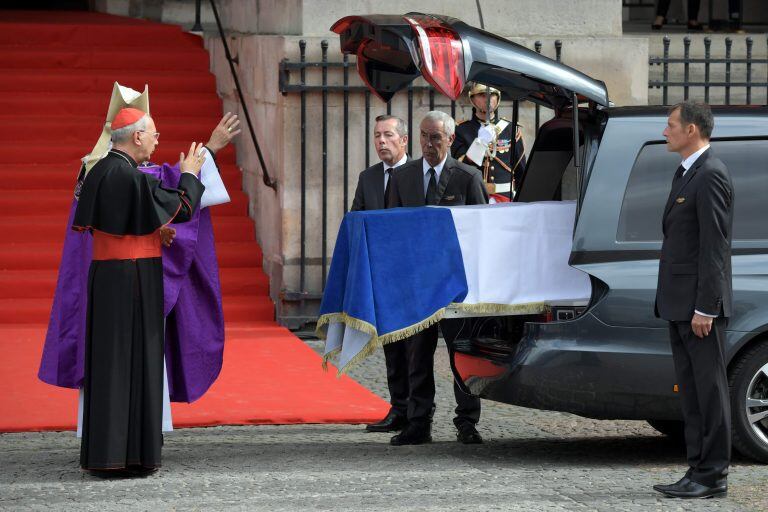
[121,97]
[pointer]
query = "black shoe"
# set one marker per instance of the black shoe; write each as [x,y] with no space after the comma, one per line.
[695,27]
[690,489]
[468,434]
[108,474]
[413,434]
[392,422]
[658,26]
[664,488]
[141,471]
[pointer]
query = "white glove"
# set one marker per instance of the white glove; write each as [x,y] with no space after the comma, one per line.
[486,134]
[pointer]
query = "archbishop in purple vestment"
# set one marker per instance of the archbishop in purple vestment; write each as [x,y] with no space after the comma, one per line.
[194,321]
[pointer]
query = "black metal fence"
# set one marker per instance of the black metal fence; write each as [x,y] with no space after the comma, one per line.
[294,78]
[734,72]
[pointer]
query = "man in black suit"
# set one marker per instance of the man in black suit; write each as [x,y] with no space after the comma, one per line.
[434,179]
[694,294]
[390,136]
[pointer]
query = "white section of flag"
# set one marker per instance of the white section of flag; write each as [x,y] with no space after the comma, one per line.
[517,253]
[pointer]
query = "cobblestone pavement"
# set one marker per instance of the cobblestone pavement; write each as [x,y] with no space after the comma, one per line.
[531,460]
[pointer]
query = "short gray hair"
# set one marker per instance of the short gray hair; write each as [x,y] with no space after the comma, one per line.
[401,128]
[449,125]
[124,133]
[698,114]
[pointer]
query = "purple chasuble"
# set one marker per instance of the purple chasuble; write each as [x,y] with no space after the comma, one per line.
[194,320]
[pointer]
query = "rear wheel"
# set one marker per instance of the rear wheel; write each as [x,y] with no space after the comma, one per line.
[673,429]
[748,381]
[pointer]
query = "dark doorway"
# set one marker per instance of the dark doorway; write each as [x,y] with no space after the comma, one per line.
[48,5]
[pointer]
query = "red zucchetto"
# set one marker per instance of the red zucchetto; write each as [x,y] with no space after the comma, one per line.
[125,117]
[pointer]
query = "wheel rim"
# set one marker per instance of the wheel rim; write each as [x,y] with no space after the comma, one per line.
[757,404]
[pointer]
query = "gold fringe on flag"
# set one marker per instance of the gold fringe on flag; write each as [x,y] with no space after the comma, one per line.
[377,341]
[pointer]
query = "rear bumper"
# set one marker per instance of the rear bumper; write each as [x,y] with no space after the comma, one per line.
[581,366]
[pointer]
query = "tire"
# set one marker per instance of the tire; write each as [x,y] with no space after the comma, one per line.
[748,378]
[673,429]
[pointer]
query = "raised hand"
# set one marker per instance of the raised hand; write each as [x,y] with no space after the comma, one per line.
[224,132]
[193,161]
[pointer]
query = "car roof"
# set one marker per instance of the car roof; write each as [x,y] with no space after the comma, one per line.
[663,110]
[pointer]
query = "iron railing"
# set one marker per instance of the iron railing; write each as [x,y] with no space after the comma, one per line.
[697,72]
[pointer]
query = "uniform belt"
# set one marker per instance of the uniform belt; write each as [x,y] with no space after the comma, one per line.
[127,247]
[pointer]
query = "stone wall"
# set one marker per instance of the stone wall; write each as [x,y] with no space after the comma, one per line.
[521,18]
[754,11]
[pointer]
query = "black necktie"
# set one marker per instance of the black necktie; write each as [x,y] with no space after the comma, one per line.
[680,172]
[431,197]
[388,173]
[675,187]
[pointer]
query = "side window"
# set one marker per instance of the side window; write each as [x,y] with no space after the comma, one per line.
[747,161]
[651,178]
[646,194]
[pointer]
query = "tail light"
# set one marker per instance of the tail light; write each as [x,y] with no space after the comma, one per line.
[364,69]
[384,69]
[441,52]
[344,23]
[353,30]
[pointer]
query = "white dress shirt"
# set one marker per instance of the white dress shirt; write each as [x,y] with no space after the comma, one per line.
[438,170]
[387,166]
[687,163]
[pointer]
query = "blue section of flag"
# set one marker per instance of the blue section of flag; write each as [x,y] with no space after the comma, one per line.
[389,267]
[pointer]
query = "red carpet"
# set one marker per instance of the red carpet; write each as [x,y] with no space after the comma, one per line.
[269,377]
[56,75]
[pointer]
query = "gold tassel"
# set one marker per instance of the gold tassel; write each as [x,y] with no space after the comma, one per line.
[376,341]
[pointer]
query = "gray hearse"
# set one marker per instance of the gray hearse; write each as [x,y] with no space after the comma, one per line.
[608,358]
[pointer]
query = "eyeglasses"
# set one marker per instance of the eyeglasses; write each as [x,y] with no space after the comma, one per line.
[156,134]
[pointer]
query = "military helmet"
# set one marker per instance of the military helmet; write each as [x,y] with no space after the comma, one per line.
[478,88]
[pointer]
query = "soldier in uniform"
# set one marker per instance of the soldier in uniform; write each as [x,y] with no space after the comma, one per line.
[496,149]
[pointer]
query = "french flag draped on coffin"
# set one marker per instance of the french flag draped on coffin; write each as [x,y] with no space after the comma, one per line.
[394,272]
